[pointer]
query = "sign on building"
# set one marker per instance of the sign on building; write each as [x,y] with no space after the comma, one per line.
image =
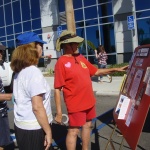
[130,22]
[59,30]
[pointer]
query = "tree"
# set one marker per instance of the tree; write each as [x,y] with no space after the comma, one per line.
[70,15]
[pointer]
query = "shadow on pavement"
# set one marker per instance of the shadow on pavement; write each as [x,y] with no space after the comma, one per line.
[59,133]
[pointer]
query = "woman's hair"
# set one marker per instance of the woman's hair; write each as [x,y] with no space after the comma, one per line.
[101,48]
[24,56]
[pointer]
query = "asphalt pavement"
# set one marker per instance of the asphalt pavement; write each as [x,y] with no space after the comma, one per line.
[106,94]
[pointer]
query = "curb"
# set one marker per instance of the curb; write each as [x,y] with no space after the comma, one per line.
[98,93]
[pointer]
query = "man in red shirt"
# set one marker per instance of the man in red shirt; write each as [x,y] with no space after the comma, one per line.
[72,77]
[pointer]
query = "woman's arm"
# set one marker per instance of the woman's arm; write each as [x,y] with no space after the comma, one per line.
[40,113]
[96,55]
[110,70]
[5,96]
[58,117]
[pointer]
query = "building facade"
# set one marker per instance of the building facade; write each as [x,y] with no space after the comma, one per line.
[99,22]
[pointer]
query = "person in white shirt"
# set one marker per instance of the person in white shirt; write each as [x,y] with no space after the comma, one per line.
[32,107]
[4,123]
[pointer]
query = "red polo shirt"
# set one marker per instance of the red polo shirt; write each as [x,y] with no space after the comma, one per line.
[73,74]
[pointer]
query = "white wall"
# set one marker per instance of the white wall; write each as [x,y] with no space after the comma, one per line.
[49,12]
[126,40]
[49,18]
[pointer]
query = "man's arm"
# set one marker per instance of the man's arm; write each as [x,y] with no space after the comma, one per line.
[40,113]
[58,117]
[5,96]
[110,70]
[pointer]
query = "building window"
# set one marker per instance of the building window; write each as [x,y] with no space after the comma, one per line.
[77,4]
[89,2]
[27,26]
[78,14]
[143,14]
[36,24]
[9,30]
[1,2]
[105,9]
[143,28]
[8,16]
[16,12]
[25,10]
[18,28]
[7,1]
[2,17]
[90,15]
[140,5]
[35,13]
[2,32]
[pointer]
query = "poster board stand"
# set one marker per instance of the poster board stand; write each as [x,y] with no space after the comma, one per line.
[110,140]
[134,99]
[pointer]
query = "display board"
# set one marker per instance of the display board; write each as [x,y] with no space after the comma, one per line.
[134,99]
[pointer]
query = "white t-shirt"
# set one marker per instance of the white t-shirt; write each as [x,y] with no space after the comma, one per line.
[30,82]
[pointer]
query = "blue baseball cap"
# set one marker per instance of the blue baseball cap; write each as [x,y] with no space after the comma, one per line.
[27,38]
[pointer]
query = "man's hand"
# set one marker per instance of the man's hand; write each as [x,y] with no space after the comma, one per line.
[123,68]
[48,141]
[58,118]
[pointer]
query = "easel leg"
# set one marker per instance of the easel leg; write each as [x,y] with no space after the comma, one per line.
[110,139]
[121,143]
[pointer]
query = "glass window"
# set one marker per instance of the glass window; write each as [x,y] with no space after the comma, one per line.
[2,17]
[91,35]
[106,20]
[27,26]
[4,43]
[7,1]
[16,35]
[91,22]
[36,24]
[38,31]
[80,32]
[2,32]
[89,2]
[80,24]
[105,10]
[93,13]
[82,48]
[140,5]
[64,27]
[1,2]
[2,38]
[10,43]
[16,12]
[9,30]
[18,28]
[78,15]
[61,5]
[143,27]
[108,38]
[111,59]
[104,1]
[10,37]
[35,13]
[8,15]
[91,59]
[77,4]
[25,10]
[143,14]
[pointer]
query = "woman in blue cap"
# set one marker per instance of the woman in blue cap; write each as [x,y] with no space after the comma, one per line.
[32,108]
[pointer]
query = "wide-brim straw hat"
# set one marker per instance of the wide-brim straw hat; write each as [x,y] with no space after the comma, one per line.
[2,47]
[67,37]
